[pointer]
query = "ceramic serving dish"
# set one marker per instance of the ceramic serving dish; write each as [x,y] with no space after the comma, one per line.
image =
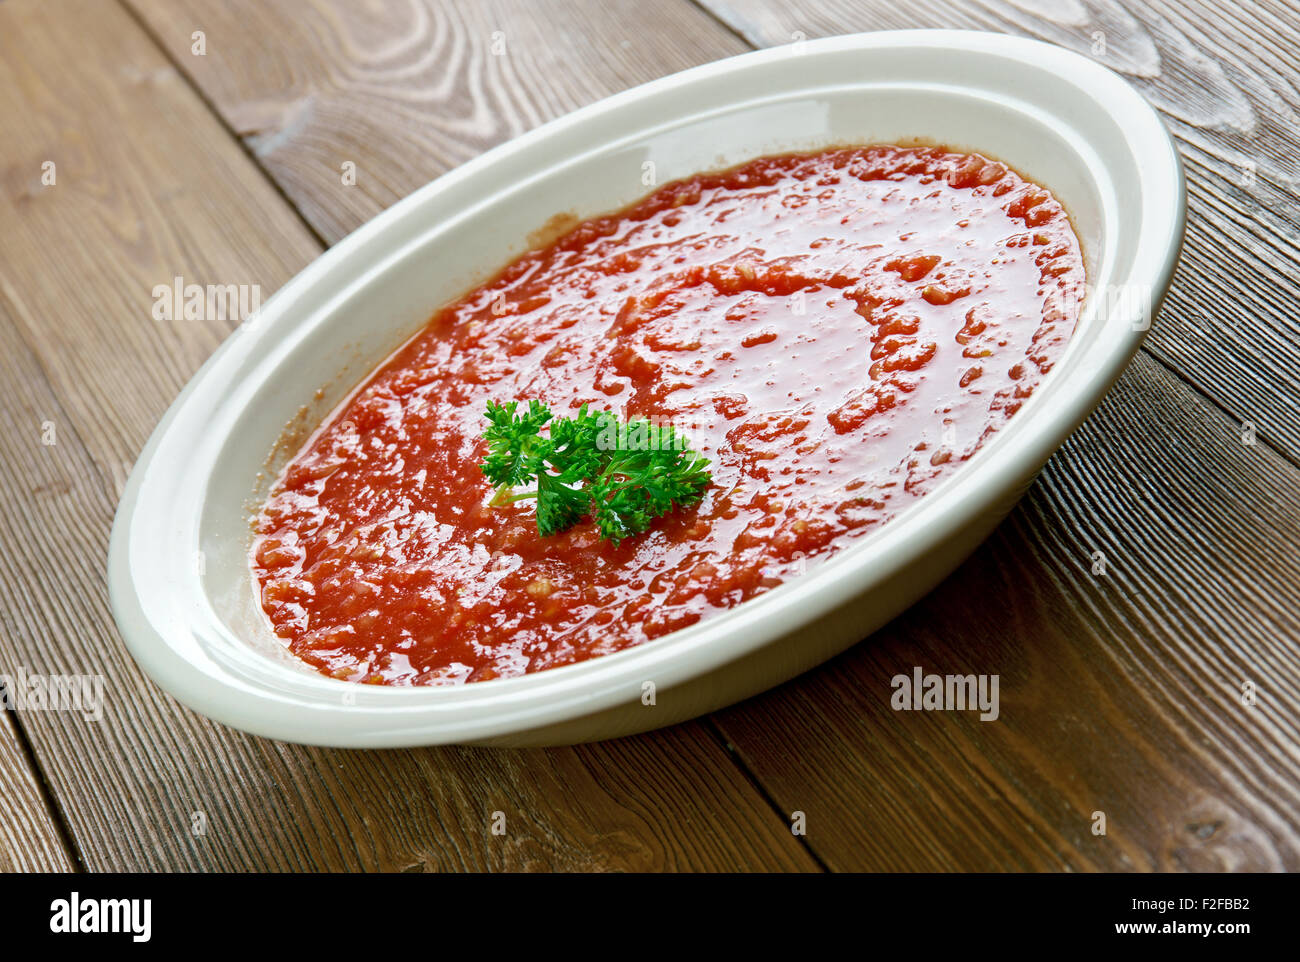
[179,578]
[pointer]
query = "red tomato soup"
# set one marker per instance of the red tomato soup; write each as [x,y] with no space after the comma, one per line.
[837,332]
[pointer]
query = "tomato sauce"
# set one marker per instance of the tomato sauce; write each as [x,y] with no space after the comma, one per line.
[836,331]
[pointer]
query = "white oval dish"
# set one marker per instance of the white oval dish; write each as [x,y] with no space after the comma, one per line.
[178,571]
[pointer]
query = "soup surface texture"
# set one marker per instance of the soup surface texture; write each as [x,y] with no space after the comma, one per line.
[836,331]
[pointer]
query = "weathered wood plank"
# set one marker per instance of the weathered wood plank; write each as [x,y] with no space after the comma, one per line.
[149,186]
[406,91]
[1224,77]
[30,840]
[1094,713]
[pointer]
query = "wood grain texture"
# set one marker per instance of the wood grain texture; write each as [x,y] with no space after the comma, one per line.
[410,89]
[30,840]
[1119,688]
[149,186]
[1224,76]
[1120,693]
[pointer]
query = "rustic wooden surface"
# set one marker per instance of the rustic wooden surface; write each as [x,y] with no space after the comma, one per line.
[31,839]
[1121,693]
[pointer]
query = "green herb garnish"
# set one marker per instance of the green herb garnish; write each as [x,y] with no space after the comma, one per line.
[625,473]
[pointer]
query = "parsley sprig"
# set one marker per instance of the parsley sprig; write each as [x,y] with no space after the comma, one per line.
[625,473]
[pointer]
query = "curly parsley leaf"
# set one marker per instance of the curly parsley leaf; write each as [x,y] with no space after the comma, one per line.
[625,474]
[515,449]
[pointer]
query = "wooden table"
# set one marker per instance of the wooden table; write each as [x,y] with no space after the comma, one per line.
[1121,692]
